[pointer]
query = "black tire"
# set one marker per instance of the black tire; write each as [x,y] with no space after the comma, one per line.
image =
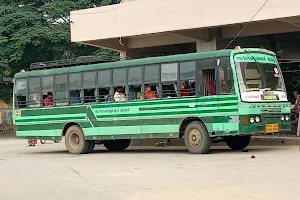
[43,141]
[75,141]
[117,145]
[238,142]
[91,146]
[56,141]
[196,138]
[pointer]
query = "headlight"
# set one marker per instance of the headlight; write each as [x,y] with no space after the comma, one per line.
[287,118]
[257,119]
[282,118]
[252,120]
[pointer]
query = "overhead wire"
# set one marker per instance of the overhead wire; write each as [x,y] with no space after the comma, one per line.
[245,26]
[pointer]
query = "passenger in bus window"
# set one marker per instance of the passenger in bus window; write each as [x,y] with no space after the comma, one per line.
[149,94]
[48,101]
[107,98]
[119,95]
[185,89]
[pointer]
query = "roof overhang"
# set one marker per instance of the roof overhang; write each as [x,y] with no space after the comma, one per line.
[146,23]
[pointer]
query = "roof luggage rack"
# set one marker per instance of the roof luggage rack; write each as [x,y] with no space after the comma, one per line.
[82,60]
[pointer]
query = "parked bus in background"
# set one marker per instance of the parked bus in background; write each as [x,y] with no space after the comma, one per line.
[225,95]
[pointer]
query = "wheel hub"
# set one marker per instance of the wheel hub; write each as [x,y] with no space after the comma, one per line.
[195,138]
[74,140]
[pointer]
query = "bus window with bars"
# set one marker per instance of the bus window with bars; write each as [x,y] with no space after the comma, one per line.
[47,86]
[226,80]
[61,88]
[169,73]
[34,92]
[21,93]
[135,80]
[187,78]
[75,85]
[89,87]
[104,86]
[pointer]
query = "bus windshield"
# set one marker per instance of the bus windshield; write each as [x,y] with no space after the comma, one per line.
[255,76]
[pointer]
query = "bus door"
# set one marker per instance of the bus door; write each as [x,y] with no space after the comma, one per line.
[208,103]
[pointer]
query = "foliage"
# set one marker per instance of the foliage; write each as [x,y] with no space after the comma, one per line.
[42,30]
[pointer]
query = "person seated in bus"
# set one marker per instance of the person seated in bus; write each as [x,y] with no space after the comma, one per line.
[119,95]
[149,94]
[185,89]
[75,97]
[132,93]
[48,101]
[107,98]
[211,87]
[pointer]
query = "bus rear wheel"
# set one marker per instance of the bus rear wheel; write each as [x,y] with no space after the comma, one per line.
[196,138]
[117,145]
[91,146]
[238,142]
[75,141]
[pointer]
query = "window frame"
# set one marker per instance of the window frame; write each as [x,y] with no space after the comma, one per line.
[161,83]
[95,100]
[61,90]
[110,86]
[16,102]
[233,84]
[180,79]
[40,102]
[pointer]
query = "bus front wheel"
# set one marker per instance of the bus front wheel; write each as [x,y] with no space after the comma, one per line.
[75,141]
[117,145]
[238,142]
[196,138]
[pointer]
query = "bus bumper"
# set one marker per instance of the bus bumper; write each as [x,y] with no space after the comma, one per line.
[261,129]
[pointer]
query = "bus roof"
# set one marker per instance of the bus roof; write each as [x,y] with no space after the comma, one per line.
[134,62]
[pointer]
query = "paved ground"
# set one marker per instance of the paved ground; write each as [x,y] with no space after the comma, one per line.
[49,172]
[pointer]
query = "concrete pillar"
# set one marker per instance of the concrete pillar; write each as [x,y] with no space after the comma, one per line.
[208,46]
[128,54]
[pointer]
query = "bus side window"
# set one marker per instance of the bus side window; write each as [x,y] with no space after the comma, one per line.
[169,74]
[104,85]
[21,93]
[209,82]
[75,84]
[187,76]
[151,80]
[226,80]
[135,83]
[34,92]
[47,86]
[61,88]
[89,87]
[119,83]
[104,95]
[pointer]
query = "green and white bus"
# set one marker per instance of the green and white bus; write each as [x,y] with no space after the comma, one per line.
[225,95]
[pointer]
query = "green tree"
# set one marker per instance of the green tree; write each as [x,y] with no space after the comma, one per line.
[39,30]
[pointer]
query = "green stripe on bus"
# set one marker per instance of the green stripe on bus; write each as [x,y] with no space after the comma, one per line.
[48,126]
[197,112]
[54,111]
[164,102]
[45,119]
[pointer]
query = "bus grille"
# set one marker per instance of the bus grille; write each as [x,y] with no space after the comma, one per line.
[274,116]
[270,110]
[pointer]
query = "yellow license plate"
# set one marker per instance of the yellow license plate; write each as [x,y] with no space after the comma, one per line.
[272,128]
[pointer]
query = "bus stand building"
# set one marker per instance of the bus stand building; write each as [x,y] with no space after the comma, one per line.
[147,28]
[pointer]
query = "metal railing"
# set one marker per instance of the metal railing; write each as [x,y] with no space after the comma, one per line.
[83,60]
